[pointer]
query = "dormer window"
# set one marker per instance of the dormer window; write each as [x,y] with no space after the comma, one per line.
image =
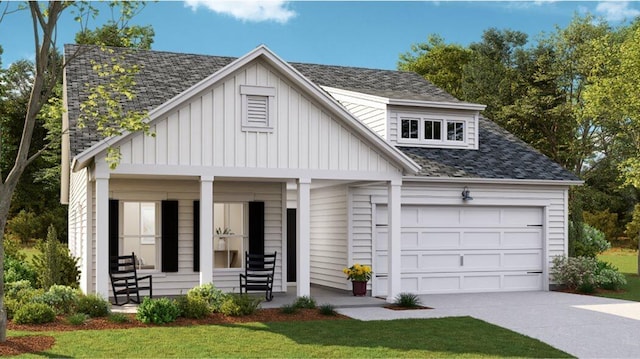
[455,131]
[410,128]
[433,130]
[427,130]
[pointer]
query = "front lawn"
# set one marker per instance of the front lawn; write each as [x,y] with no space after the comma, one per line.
[627,262]
[442,338]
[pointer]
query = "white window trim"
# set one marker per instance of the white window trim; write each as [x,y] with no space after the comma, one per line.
[444,142]
[270,93]
[157,236]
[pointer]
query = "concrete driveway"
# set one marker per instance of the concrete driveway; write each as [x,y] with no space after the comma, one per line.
[584,326]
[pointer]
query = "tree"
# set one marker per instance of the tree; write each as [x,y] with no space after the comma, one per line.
[45,17]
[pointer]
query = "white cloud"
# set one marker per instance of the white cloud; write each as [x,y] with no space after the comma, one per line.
[616,10]
[247,10]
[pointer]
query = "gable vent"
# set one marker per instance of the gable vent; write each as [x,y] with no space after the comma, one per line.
[257,110]
[258,105]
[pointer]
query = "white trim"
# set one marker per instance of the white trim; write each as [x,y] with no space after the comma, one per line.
[102,237]
[406,102]
[285,237]
[545,247]
[206,230]
[394,253]
[492,181]
[303,238]
[392,153]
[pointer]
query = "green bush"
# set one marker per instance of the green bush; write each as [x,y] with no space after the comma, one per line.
[407,300]
[610,279]
[61,298]
[55,264]
[289,309]
[18,270]
[118,318]
[13,248]
[591,243]
[34,313]
[304,302]
[78,319]
[212,295]
[240,304]
[327,309]
[193,307]
[93,305]
[157,311]
[577,273]
[632,230]
[23,226]
[17,294]
[604,221]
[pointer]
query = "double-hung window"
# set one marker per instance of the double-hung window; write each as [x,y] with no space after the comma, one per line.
[230,241]
[140,233]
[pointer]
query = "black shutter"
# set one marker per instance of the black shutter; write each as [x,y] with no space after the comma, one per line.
[196,236]
[256,227]
[169,236]
[114,228]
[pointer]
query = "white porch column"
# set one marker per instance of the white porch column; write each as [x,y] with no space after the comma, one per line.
[394,193]
[303,238]
[206,229]
[102,235]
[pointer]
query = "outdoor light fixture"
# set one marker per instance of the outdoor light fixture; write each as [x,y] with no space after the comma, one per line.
[466,194]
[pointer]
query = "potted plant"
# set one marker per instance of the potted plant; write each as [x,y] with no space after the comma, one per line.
[359,275]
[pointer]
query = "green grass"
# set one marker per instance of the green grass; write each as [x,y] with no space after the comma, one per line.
[463,337]
[627,262]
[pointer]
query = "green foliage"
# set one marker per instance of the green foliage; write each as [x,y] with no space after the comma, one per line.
[633,227]
[591,243]
[93,305]
[78,319]
[18,270]
[240,304]
[193,307]
[407,300]
[577,273]
[289,309]
[604,221]
[212,295]
[118,318]
[23,226]
[12,248]
[55,264]
[304,302]
[34,313]
[61,298]
[327,309]
[113,34]
[157,311]
[611,279]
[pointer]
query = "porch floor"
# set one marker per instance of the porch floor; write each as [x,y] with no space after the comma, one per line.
[322,295]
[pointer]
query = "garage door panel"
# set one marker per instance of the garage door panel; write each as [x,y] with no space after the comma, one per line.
[445,217]
[481,261]
[410,284]
[522,216]
[431,262]
[439,240]
[521,281]
[522,239]
[522,260]
[439,284]
[410,239]
[410,261]
[481,239]
[483,282]
[480,217]
[410,216]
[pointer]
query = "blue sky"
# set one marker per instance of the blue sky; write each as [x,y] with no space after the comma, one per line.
[357,33]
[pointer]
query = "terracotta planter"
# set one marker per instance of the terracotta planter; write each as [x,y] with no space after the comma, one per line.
[359,288]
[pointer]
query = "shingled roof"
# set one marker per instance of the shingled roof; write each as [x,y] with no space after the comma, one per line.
[164,75]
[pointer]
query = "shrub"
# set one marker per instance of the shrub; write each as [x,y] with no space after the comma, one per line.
[632,230]
[289,309]
[157,311]
[34,313]
[18,289]
[118,318]
[17,294]
[193,307]
[305,302]
[61,298]
[78,319]
[55,264]
[93,305]
[16,269]
[604,221]
[591,243]
[577,273]
[610,279]
[23,226]
[12,247]
[327,309]
[240,304]
[212,295]
[407,300]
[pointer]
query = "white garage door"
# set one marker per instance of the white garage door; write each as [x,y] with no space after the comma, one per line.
[463,249]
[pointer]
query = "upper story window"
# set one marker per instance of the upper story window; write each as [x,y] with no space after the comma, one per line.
[258,108]
[428,130]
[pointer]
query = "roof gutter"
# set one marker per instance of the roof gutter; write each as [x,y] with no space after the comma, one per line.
[503,181]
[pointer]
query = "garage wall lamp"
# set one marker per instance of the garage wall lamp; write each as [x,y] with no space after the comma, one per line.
[466,195]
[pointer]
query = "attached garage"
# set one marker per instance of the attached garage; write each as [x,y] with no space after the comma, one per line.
[449,249]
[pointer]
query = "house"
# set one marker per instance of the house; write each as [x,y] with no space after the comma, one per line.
[326,165]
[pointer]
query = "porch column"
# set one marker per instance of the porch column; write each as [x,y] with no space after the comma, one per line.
[394,209]
[206,229]
[303,238]
[102,235]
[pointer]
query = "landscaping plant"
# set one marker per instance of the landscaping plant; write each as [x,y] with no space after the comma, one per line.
[55,264]
[240,304]
[34,313]
[304,302]
[289,309]
[93,305]
[193,307]
[118,318]
[407,300]
[61,298]
[157,311]
[212,295]
[327,309]
[78,319]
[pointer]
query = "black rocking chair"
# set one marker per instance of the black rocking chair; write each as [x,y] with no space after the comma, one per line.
[125,280]
[258,274]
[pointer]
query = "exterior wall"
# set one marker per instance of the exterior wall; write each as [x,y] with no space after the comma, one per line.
[470,116]
[553,198]
[78,212]
[371,113]
[329,239]
[186,192]
[207,132]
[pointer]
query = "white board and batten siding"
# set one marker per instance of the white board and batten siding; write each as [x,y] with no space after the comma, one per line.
[185,192]
[206,132]
[328,236]
[498,241]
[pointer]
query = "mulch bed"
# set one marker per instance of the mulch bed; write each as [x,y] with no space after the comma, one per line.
[39,343]
[397,307]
